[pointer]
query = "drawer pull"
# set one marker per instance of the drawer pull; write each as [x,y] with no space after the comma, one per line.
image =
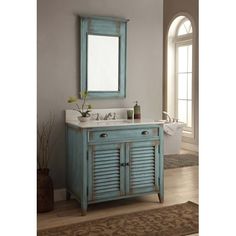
[103,135]
[145,132]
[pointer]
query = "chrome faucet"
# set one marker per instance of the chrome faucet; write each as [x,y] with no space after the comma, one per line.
[106,117]
[167,115]
[114,116]
[97,118]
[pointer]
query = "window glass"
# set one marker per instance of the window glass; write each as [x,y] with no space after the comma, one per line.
[187,25]
[184,82]
[189,123]
[185,28]
[185,99]
[182,30]
[190,58]
[182,110]
[189,92]
[183,59]
[191,29]
[182,86]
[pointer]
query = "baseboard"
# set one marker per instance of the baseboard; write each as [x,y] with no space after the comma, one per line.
[189,146]
[59,194]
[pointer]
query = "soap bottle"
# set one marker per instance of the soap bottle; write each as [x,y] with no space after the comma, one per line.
[137,111]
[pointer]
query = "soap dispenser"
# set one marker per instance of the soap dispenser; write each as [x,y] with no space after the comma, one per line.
[137,111]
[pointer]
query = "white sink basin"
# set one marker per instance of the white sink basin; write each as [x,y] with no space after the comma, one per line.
[165,121]
[110,122]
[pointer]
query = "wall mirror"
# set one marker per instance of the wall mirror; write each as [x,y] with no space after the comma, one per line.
[103,56]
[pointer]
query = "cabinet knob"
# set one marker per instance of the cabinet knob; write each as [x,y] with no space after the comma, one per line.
[103,135]
[122,164]
[145,132]
[127,164]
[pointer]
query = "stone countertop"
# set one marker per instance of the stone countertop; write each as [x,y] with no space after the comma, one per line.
[113,123]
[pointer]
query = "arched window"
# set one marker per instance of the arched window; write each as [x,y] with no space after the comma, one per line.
[180,73]
[185,27]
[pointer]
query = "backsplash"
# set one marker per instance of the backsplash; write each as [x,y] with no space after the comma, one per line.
[117,113]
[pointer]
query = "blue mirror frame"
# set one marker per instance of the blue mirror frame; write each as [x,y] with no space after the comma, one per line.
[107,26]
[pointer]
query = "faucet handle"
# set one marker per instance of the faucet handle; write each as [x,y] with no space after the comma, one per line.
[114,116]
[97,118]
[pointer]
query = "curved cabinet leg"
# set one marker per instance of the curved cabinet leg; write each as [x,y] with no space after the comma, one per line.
[83,209]
[68,195]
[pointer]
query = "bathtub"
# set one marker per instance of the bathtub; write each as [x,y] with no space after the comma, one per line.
[172,137]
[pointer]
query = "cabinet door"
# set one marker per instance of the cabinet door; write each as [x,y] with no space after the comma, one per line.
[142,168]
[106,171]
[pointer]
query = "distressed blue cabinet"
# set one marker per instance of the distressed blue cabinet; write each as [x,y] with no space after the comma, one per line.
[143,161]
[109,163]
[106,172]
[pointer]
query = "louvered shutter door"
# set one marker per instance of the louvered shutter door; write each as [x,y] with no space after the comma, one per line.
[143,167]
[108,174]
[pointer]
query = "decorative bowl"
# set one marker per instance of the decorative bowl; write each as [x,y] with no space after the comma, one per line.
[83,119]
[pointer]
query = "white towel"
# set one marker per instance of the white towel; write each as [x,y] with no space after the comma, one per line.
[171,128]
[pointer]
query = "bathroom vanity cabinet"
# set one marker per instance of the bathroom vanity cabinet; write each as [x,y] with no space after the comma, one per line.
[113,162]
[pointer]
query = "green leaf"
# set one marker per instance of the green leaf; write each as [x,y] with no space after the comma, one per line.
[84,94]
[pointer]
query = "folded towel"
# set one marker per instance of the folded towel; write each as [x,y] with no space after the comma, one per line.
[171,128]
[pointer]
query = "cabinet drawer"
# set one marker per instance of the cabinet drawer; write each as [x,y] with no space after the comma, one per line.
[122,135]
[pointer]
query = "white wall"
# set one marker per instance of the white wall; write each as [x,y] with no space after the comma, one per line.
[58,73]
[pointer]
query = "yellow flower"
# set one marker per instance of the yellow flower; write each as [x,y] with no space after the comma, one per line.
[72,99]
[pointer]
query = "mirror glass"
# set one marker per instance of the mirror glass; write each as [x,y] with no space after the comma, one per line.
[103,63]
